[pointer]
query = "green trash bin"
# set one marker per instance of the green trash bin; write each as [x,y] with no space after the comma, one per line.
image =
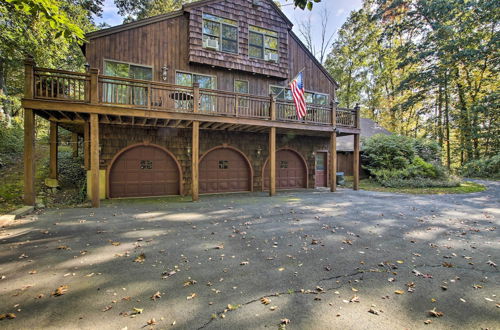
[340,179]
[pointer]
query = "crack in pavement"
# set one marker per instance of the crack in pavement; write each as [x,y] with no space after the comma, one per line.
[317,290]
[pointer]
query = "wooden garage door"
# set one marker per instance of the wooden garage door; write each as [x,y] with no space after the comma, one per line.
[224,170]
[290,171]
[144,171]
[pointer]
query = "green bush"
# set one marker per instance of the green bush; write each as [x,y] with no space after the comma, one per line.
[388,152]
[71,174]
[11,141]
[482,168]
[399,161]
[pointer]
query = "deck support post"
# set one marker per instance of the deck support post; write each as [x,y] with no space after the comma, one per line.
[74,144]
[332,164]
[272,161]
[53,150]
[86,145]
[195,155]
[94,159]
[29,157]
[355,184]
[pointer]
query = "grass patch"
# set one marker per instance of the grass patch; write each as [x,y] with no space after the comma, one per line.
[464,188]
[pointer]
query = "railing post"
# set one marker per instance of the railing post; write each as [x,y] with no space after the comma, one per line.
[94,86]
[272,108]
[149,96]
[29,83]
[236,105]
[196,97]
[358,115]
[334,113]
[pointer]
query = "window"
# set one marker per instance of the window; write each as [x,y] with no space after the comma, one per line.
[263,43]
[241,86]
[207,102]
[284,164]
[220,33]
[223,164]
[146,165]
[124,94]
[282,93]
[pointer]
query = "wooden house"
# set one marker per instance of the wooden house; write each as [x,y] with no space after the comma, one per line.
[195,101]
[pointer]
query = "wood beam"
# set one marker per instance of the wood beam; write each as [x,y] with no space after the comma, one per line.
[53,141]
[74,144]
[272,161]
[86,145]
[94,159]
[332,163]
[355,184]
[130,111]
[29,157]
[205,125]
[195,154]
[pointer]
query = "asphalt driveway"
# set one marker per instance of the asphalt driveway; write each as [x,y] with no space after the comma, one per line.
[312,259]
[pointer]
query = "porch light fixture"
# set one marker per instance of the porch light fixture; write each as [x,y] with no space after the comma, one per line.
[259,150]
[164,73]
[87,67]
[188,150]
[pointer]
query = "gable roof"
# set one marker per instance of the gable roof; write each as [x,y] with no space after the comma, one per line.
[368,129]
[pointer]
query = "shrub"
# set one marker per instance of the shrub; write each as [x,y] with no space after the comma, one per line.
[388,151]
[482,168]
[72,175]
[398,161]
[11,141]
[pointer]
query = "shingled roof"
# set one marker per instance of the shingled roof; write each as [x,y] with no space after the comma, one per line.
[368,129]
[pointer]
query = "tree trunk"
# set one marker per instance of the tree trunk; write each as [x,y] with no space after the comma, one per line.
[447,121]
[4,114]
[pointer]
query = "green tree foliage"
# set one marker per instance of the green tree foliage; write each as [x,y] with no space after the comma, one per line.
[49,31]
[488,168]
[425,68]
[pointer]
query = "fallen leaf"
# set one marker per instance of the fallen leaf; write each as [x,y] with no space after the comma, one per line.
[427,322]
[107,308]
[400,261]
[9,316]
[285,321]
[189,282]
[273,308]
[140,258]
[138,310]
[115,243]
[193,295]
[354,289]
[219,247]
[63,247]
[60,290]
[447,264]
[155,296]
[265,301]
[354,299]
[243,263]
[435,313]
[371,310]
[233,307]
[151,322]
[399,292]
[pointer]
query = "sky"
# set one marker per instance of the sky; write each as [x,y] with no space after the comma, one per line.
[338,12]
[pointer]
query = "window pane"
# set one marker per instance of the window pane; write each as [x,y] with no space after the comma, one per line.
[211,28]
[255,52]
[220,19]
[229,46]
[320,99]
[116,69]
[140,72]
[309,97]
[205,81]
[264,31]
[229,32]
[184,79]
[255,39]
[241,86]
[279,92]
[288,95]
[271,42]
[268,52]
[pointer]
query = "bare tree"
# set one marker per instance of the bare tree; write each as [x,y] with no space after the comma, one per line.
[319,50]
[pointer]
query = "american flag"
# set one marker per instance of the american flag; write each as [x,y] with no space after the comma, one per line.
[298,94]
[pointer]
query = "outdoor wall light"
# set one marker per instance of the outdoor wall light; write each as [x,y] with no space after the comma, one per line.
[259,150]
[87,67]
[164,73]
[188,150]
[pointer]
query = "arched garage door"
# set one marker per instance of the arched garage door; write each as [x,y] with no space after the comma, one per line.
[144,170]
[291,171]
[224,170]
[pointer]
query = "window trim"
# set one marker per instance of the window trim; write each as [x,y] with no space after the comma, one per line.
[196,73]
[220,36]
[104,60]
[263,58]
[234,85]
[307,91]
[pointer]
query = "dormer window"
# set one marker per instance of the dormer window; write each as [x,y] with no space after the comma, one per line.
[263,43]
[220,33]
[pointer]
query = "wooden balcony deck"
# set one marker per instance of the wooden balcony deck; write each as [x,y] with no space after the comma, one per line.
[71,96]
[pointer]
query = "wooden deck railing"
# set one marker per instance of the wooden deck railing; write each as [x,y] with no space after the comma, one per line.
[93,88]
